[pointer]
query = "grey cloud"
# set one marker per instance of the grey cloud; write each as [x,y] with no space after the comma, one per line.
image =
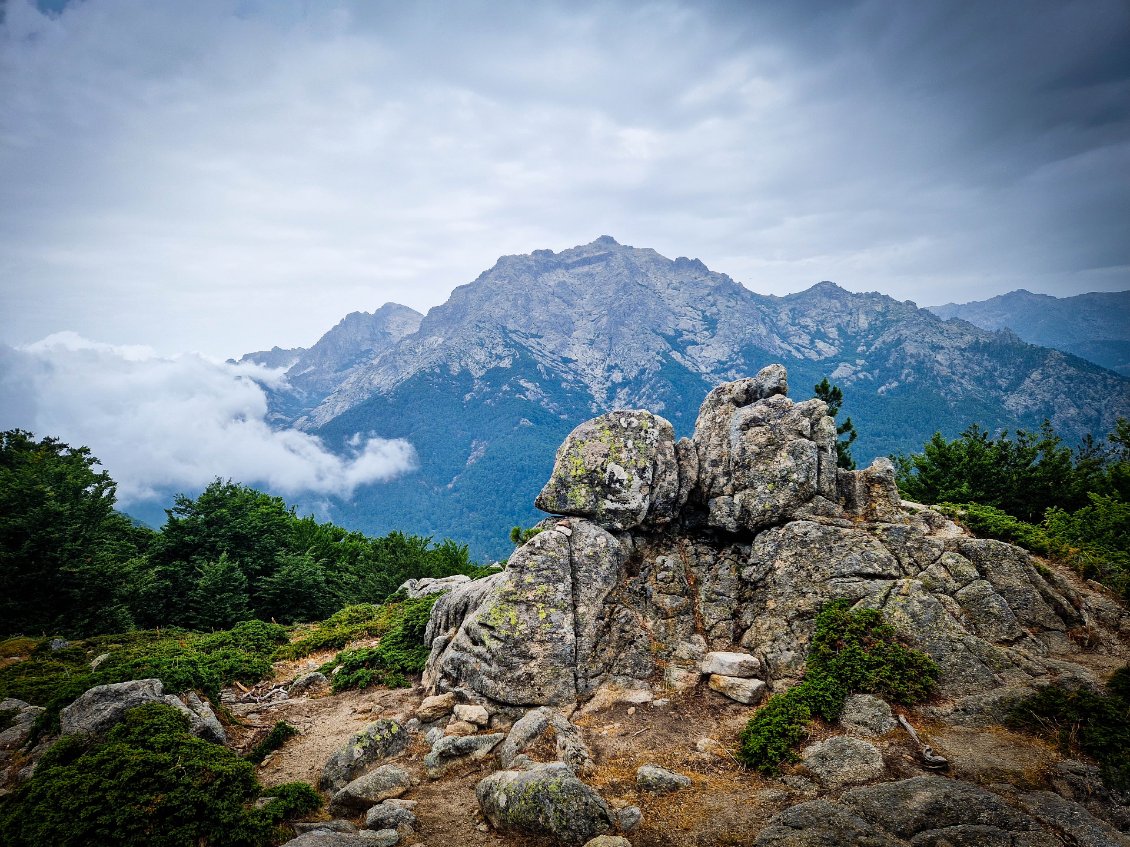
[160,423]
[229,176]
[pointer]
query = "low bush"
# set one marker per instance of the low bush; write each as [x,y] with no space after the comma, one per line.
[401,650]
[275,739]
[851,652]
[181,660]
[351,623]
[148,782]
[1082,719]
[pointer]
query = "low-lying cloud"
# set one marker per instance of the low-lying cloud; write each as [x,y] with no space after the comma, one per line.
[160,423]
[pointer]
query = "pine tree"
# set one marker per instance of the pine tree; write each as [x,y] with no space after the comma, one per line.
[834,397]
[219,598]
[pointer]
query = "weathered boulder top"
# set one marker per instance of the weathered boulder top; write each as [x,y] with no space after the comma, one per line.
[733,540]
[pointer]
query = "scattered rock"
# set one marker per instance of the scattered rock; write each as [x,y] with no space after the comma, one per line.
[433,735]
[57,644]
[628,818]
[473,714]
[450,750]
[412,726]
[460,728]
[747,691]
[545,800]
[660,780]
[525,731]
[843,760]
[381,837]
[382,783]
[435,707]
[387,815]
[378,741]
[337,825]
[307,682]
[609,841]
[204,722]
[725,663]
[865,714]
[96,662]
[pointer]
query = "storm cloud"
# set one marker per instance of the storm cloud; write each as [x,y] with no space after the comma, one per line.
[174,423]
[225,176]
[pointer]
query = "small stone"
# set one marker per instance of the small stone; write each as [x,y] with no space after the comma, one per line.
[629,817]
[609,841]
[631,710]
[98,660]
[365,791]
[460,728]
[483,828]
[724,663]
[661,703]
[452,749]
[388,816]
[433,735]
[711,746]
[660,780]
[307,682]
[681,679]
[412,726]
[57,644]
[747,691]
[474,714]
[434,708]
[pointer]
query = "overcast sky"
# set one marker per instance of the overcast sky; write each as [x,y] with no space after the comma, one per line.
[224,176]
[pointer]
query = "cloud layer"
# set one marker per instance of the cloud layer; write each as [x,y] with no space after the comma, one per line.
[175,423]
[227,175]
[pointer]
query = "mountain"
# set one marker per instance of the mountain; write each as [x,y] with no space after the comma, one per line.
[1094,326]
[275,358]
[495,378]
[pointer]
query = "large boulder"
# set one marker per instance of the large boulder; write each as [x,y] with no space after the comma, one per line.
[383,783]
[377,741]
[102,706]
[619,470]
[766,533]
[546,800]
[762,457]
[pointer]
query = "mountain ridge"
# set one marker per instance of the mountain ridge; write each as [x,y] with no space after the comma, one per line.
[541,341]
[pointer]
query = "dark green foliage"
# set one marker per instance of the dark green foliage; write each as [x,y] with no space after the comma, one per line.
[1023,476]
[219,597]
[274,739]
[519,536]
[339,629]
[834,397]
[1083,719]
[181,660]
[67,559]
[851,652]
[149,783]
[401,650]
[988,522]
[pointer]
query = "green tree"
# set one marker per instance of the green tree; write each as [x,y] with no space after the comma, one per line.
[297,591]
[65,554]
[834,397]
[218,600]
[519,536]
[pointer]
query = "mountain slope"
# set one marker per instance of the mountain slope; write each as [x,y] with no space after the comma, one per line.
[492,380]
[1094,326]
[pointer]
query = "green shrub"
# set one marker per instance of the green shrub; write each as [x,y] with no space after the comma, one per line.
[1082,719]
[351,623]
[181,660]
[989,522]
[401,650]
[148,782]
[851,652]
[275,739]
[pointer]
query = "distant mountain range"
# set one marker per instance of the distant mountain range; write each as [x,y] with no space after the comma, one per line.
[1094,326]
[489,383]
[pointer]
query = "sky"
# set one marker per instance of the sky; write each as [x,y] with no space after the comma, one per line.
[184,182]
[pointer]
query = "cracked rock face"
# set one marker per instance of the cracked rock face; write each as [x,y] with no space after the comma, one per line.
[765,534]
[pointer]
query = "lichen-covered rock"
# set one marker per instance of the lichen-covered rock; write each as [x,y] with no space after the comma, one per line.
[546,800]
[842,760]
[619,470]
[730,663]
[660,780]
[377,785]
[386,815]
[307,682]
[102,706]
[762,457]
[417,588]
[871,493]
[453,749]
[378,741]
[768,536]
[865,714]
